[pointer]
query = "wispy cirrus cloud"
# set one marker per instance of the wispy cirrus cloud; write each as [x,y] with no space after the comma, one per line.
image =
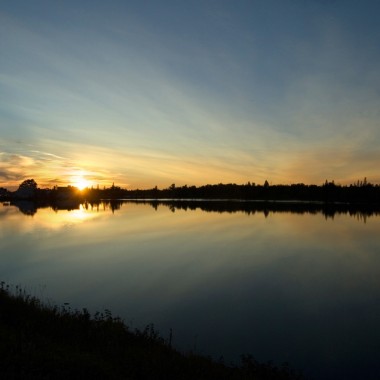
[47,168]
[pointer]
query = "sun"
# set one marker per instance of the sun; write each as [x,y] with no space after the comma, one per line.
[81,183]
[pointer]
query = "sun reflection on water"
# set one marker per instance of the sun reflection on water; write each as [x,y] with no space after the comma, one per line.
[80,214]
[61,218]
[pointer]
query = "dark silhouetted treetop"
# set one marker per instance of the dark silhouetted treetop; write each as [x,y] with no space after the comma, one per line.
[28,184]
[27,189]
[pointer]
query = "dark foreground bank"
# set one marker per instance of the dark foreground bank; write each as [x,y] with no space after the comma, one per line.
[44,342]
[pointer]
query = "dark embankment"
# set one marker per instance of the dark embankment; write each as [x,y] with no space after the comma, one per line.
[44,342]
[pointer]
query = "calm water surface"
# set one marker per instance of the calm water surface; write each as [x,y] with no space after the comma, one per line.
[282,286]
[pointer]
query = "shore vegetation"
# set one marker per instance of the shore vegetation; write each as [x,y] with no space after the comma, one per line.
[361,192]
[40,341]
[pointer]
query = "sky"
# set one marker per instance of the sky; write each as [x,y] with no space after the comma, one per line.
[150,93]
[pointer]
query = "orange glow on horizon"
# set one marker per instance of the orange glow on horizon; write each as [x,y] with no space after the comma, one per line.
[80,183]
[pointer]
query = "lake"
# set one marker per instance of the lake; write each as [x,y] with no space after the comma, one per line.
[293,283]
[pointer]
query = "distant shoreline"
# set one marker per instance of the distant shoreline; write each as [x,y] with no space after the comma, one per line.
[360,192]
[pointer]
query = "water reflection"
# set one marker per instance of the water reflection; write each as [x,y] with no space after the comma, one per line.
[360,211]
[285,285]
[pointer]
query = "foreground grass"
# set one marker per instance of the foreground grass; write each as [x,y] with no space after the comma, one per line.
[38,341]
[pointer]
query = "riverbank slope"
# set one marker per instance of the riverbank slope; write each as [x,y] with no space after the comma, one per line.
[39,341]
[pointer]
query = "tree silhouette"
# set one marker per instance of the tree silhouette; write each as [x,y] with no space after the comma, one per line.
[27,189]
[28,184]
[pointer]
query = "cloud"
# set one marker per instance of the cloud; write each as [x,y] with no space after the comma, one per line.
[49,155]
[7,176]
[41,166]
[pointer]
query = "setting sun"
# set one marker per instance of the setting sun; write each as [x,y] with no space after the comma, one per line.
[81,183]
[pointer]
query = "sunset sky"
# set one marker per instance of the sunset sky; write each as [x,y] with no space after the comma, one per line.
[144,93]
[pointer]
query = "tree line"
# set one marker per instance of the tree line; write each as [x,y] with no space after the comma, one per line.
[359,192]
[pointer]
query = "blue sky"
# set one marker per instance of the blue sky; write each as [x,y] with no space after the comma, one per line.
[145,93]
